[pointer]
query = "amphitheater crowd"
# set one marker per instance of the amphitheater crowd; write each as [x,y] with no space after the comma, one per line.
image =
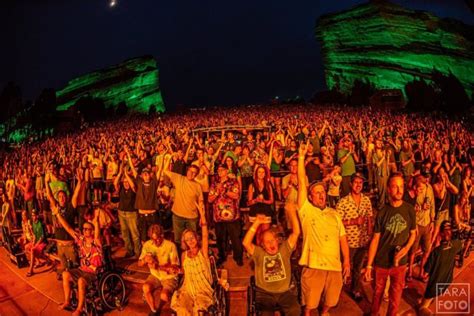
[324,195]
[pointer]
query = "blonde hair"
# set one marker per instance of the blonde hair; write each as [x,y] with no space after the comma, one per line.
[184,246]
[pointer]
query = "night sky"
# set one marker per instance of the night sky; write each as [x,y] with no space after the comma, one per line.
[208,52]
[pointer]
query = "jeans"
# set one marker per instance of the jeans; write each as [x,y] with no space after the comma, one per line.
[357,256]
[129,229]
[397,282]
[144,222]
[180,224]
[267,302]
[226,231]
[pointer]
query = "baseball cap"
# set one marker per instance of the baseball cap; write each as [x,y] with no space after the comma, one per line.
[358,175]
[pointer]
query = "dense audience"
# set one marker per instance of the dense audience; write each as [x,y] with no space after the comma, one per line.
[367,187]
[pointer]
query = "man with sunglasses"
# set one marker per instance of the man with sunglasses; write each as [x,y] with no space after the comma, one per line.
[90,253]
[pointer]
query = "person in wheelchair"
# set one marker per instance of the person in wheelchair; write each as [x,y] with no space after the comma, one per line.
[462,219]
[90,253]
[161,257]
[273,268]
[196,293]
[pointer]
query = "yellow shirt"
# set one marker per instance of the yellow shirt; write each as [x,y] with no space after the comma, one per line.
[166,253]
[322,230]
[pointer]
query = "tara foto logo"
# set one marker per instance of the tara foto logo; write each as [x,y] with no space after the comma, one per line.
[453,299]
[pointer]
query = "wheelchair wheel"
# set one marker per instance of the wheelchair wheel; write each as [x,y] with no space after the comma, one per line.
[112,290]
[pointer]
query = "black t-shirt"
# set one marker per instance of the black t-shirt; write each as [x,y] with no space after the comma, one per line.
[313,172]
[69,214]
[126,200]
[440,266]
[146,197]
[394,225]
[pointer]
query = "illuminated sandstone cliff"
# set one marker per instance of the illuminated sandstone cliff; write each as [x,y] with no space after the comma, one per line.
[390,46]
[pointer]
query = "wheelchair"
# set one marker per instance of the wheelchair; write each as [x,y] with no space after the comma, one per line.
[219,308]
[105,294]
[251,291]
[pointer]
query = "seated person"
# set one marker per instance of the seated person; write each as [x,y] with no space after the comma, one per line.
[27,232]
[440,266]
[161,256]
[273,268]
[38,243]
[90,253]
[196,293]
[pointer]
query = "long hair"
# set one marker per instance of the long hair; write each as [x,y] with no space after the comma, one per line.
[184,246]
[266,180]
[233,168]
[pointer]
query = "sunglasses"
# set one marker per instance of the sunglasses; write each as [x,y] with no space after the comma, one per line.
[87,229]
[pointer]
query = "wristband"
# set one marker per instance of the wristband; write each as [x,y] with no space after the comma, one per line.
[253,229]
[370,267]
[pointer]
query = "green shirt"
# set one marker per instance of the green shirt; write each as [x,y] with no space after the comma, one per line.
[38,230]
[348,166]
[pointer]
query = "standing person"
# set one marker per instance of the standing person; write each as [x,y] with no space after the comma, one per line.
[260,198]
[64,241]
[196,293]
[224,194]
[394,235]
[381,163]
[273,268]
[425,214]
[290,190]
[127,214]
[347,158]
[187,193]
[440,265]
[334,179]
[324,238]
[443,190]
[356,213]
[161,257]
[407,160]
[146,198]
[90,252]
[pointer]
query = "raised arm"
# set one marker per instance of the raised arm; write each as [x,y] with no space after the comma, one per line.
[77,189]
[132,167]
[204,230]
[248,239]
[302,190]
[295,226]
[97,239]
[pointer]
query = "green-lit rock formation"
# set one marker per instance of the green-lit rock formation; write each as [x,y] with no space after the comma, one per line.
[135,82]
[390,46]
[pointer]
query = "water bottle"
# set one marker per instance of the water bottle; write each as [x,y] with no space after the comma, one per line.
[397,250]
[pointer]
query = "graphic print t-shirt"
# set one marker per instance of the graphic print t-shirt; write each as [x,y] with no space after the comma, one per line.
[273,272]
[394,225]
